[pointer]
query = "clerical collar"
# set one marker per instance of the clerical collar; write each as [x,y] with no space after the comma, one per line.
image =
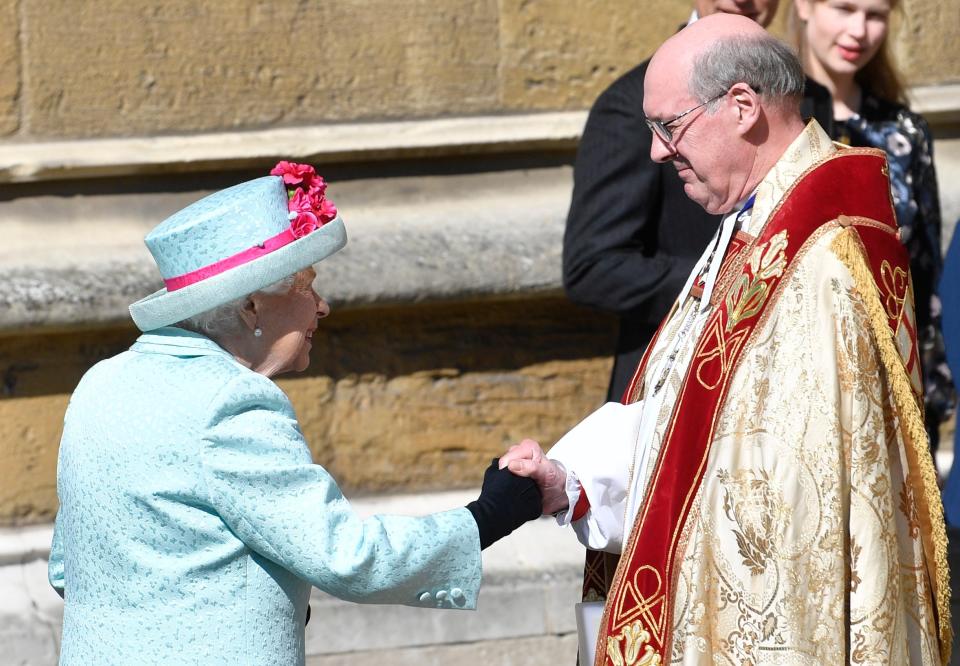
[742,208]
[741,213]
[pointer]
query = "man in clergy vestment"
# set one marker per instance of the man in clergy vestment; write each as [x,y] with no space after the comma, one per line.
[766,485]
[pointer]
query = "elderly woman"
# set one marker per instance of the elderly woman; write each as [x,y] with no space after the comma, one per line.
[192,521]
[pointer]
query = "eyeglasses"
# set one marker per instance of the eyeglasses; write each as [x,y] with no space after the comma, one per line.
[659,127]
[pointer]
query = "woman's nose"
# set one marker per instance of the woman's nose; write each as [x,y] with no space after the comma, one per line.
[857,25]
[323,308]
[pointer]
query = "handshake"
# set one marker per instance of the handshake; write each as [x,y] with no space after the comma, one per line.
[519,487]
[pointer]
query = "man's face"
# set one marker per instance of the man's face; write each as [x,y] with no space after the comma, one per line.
[761,11]
[705,149]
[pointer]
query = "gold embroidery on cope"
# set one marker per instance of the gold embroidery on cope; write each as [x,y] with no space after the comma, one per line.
[748,295]
[894,288]
[635,638]
[746,298]
[646,609]
[908,504]
[752,502]
[716,348]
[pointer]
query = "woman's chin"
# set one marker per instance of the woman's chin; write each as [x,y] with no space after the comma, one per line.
[303,361]
[840,65]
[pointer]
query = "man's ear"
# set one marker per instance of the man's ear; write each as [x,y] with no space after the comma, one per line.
[746,102]
[249,312]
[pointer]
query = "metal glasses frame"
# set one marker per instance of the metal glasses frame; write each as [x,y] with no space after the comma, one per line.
[659,127]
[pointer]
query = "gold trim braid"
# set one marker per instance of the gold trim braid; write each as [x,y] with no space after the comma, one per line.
[850,250]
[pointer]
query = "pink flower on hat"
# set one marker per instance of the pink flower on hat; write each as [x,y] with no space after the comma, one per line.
[309,208]
[293,173]
[302,218]
[327,210]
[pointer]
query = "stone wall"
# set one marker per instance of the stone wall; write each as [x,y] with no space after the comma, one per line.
[115,68]
[10,75]
[928,41]
[84,69]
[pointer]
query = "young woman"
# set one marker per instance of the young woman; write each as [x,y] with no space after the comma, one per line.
[843,46]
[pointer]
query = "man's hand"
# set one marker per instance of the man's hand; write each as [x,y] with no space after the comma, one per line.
[527,459]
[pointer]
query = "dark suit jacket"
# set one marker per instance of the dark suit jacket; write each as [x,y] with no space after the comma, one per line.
[632,235]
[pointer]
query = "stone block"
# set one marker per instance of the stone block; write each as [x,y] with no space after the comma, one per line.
[118,68]
[29,441]
[30,615]
[926,36]
[558,54]
[10,84]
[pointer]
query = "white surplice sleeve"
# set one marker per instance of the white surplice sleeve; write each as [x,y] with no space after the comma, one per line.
[598,454]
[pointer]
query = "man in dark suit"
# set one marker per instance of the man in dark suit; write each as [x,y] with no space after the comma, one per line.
[632,235]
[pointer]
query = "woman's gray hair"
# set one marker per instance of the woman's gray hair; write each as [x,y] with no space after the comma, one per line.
[764,63]
[224,320]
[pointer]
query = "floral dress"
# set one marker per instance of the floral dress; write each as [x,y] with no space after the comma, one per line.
[905,136]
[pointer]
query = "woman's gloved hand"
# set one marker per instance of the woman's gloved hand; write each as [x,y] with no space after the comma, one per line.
[506,502]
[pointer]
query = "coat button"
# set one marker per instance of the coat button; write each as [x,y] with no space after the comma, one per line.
[456,593]
[441,595]
[426,597]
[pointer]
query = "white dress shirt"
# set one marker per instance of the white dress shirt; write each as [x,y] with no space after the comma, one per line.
[610,455]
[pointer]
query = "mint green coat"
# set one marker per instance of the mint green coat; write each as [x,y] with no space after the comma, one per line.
[193,522]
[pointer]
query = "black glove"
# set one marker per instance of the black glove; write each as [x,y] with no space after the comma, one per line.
[506,502]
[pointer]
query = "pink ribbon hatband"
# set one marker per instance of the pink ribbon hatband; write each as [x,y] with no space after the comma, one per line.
[266,247]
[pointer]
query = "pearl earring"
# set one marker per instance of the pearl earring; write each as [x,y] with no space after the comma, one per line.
[257,332]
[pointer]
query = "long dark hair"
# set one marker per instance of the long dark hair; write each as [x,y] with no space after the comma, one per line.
[880,76]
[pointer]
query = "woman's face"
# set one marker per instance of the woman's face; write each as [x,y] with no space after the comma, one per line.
[841,36]
[288,322]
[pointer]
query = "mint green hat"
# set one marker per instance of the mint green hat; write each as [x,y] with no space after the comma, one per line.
[239,240]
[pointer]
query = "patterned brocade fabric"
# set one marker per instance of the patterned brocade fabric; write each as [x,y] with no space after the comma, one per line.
[804,542]
[907,141]
[812,146]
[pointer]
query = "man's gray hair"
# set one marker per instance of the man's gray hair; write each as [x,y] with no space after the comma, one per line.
[224,320]
[764,63]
